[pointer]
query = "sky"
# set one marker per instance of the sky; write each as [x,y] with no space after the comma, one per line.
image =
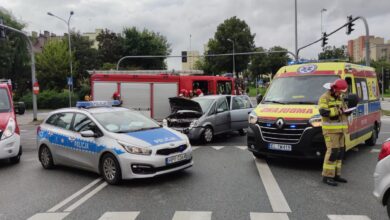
[271,20]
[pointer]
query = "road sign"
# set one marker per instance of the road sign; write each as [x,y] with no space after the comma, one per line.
[70,81]
[36,88]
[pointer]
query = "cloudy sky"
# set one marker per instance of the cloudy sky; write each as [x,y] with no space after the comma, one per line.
[271,20]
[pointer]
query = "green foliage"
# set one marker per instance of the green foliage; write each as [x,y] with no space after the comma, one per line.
[53,66]
[144,43]
[108,66]
[330,53]
[50,99]
[259,63]
[111,47]
[268,63]
[277,60]
[231,30]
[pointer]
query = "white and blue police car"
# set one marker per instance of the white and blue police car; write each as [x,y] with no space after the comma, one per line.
[115,142]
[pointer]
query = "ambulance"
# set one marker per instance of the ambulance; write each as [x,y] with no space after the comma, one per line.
[287,123]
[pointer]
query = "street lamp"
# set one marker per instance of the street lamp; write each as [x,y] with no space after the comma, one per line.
[234,62]
[322,11]
[70,51]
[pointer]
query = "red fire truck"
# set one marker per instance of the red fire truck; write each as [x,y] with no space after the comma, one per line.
[148,91]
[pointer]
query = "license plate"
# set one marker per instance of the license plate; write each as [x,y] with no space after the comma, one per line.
[281,147]
[177,158]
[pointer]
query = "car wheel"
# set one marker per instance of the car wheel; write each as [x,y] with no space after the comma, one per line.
[242,132]
[373,138]
[110,169]
[16,159]
[208,135]
[46,157]
[388,206]
[259,156]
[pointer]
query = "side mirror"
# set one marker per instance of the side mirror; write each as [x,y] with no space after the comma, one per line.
[352,100]
[219,110]
[88,134]
[259,98]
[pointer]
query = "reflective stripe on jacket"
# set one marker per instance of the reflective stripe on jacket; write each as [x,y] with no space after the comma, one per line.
[332,120]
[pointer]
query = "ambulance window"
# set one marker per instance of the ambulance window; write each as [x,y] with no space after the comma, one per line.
[362,90]
[349,81]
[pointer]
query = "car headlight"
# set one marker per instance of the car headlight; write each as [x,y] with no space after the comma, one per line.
[165,123]
[316,121]
[252,119]
[9,130]
[194,123]
[135,150]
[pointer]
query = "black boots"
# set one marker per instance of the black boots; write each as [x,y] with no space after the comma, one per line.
[340,180]
[330,181]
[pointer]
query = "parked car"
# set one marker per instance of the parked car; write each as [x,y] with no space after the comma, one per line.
[382,176]
[204,117]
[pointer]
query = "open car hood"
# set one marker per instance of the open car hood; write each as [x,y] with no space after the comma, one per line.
[178,104]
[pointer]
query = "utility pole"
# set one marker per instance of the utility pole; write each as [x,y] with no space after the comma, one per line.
[383,84]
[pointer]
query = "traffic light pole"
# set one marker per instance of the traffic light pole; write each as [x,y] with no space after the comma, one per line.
[383,84]
[33,79]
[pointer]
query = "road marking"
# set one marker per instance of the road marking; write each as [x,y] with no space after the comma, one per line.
[194,148]
[49,216]
[119,216]
[348,217]
[268,216]
[188,215]
[375,151]
[217,147]
[275,195]
[242,147]
[86,197]
[76,194]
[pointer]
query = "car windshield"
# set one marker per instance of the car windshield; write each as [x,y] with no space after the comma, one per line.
[5,105]
[205,104]
[297,90]
[124,121]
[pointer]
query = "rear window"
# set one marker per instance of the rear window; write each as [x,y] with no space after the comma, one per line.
[5,105]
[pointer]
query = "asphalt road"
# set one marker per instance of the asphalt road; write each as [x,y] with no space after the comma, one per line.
[226,182]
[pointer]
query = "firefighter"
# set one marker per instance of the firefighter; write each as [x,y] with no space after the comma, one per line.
[117,96]
[334,125]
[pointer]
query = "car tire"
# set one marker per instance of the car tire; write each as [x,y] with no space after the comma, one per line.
[16,159]
[259,156]
[110,169]
[242,132]
[208,135]
[46,157]
[388,206]
[372,141]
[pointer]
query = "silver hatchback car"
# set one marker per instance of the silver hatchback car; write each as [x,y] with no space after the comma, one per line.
[116,142]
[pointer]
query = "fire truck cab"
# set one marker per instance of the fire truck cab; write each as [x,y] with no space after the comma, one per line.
[148,91]
[10,147]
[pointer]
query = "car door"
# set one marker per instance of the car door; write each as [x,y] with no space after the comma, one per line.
[222,116]
[84,150]
[241,108]
[60,135]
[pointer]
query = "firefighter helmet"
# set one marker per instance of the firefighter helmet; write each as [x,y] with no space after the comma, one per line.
[340,85]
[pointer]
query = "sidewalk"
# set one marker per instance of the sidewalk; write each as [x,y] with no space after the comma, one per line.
[27,117]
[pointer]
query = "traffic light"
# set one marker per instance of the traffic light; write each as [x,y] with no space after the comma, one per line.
[324,39]
[2,30]
[184,56]
[350,25]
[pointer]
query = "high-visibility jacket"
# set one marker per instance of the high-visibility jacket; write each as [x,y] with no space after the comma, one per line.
[332,121]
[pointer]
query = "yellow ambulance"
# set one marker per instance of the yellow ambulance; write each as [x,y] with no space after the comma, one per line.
[287,122]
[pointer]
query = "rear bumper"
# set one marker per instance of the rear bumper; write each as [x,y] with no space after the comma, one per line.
[10,147]
[310,146]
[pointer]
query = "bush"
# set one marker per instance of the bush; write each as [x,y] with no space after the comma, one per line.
[50,99]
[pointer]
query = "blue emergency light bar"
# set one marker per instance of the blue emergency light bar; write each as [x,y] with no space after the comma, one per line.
[94,104]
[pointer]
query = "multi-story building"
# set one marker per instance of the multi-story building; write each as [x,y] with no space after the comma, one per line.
[39,40]
[378,49]
[189,59]
[92,37]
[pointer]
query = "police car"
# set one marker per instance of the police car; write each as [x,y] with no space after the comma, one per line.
[115,142]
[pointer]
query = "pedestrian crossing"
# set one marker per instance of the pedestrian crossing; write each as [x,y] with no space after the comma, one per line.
[187,215]
[243,148]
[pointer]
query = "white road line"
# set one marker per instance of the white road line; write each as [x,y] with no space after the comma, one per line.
[76,194]
[189,215]
[375,151]
[268,216]
[242,147]
[86,197]
[217,147]
[348,217]
[49,216]
[119,216]
[275,195]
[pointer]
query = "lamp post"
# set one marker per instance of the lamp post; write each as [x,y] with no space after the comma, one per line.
[296,29]
[70,50]
[322,11]
[234,62]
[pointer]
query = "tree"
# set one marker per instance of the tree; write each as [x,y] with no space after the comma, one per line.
[259,64]
[277,60]
[111,46]
[14,56]
[330,52]
[53,65]
[144,43]
[231,31]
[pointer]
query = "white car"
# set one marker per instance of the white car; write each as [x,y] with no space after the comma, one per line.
[382,176]
[116,142]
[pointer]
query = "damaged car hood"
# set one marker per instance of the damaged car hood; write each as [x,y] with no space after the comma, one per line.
[184,105]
